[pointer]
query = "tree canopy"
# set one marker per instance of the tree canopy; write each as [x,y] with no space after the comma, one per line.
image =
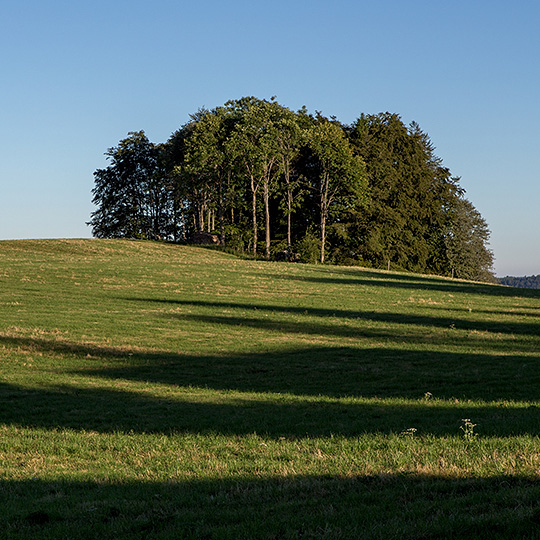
[524,282]
[266,179]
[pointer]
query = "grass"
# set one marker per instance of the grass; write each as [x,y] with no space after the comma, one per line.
[152,390]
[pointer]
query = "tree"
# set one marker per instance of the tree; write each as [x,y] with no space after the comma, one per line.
[289,137]
[131,193]
[183,193]
[409,189]
[253,146]
[466,242]
[374,192]
[340,174]
[207,158]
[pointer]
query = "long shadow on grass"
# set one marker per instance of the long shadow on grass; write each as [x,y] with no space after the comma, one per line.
[327,328]
[367,507]
[107,410]
[313,371]
[389,372]
[406,281]
[304,386]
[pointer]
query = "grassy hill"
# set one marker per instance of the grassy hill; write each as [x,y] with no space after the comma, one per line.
[156,391]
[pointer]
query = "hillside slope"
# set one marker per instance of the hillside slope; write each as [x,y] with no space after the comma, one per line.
[175,391]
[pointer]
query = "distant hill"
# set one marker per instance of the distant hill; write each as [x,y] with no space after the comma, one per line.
[525,282]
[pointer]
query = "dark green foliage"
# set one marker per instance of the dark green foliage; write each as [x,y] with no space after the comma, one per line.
[525,282]
[416,218]
[408,187]
[467,236]
[374,193]
[309,247]
[132,194]
[339,179]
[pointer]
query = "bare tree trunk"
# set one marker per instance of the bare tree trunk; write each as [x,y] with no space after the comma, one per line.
[229,189]
[174,220]
[287,175]
[324,210]
[323,236]
[183,222]
[221,219]
[254,215]
[201,216]
[267,217]
[289,219]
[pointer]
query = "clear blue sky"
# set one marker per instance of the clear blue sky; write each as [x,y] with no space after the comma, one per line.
[76,77]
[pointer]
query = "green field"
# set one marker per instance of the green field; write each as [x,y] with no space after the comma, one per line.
[150,390]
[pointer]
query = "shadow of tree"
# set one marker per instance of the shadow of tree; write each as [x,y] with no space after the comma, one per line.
[108,410]
[368,507]
[316,371]
[309,381]
[463,322]
[406,281]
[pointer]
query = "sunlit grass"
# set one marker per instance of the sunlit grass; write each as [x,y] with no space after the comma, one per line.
[170,391]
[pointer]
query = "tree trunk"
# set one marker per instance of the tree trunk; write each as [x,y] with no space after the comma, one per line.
[183,223]
[324,211]
[221,219]
[229,196]
[289,219]
[174,220]
[267,218]
[287,175]
[323,235]
[201,216]
[254,214]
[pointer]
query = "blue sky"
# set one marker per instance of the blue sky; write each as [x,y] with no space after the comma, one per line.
[78,76]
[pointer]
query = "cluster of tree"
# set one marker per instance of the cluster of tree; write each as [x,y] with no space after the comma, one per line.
[524,282]
[266,179]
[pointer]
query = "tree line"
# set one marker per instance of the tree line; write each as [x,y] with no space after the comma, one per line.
[525,282]
[274,182]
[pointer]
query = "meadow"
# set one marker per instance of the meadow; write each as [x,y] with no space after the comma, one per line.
[151,390]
